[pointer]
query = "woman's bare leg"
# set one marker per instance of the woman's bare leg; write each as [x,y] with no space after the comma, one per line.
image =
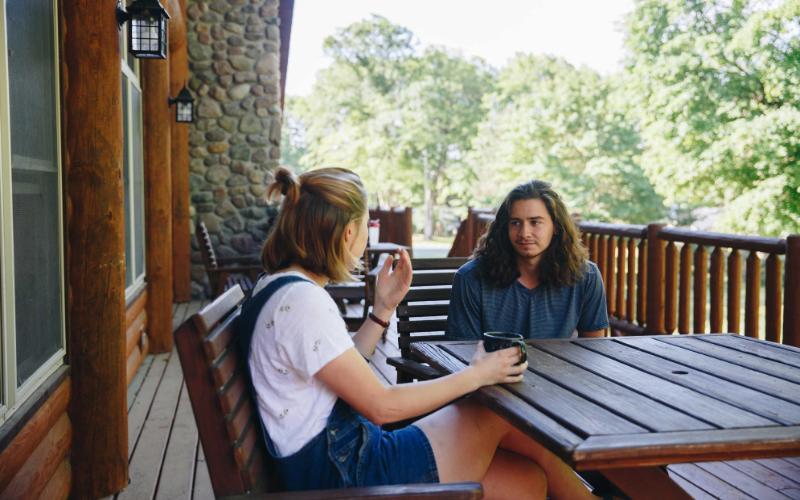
[513,476]
[465,435]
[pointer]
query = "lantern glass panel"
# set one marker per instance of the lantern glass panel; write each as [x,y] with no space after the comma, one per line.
[148,36]
[183,112]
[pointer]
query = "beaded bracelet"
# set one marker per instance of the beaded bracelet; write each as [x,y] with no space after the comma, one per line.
[379,321]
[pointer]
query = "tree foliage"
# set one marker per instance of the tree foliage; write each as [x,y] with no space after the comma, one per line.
[719,84]
[706,113]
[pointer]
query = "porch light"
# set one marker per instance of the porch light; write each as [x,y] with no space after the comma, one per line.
[147,30]
[184,106]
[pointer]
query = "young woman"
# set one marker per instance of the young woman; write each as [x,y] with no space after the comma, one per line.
[321,404]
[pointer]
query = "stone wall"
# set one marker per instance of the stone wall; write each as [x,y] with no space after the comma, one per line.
[235,140]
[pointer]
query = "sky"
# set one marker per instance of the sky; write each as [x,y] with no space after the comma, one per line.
[584,32]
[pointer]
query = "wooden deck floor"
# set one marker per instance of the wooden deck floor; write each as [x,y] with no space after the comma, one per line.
[167,462]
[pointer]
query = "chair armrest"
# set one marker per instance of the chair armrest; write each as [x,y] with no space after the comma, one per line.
[448,491]
[416,369]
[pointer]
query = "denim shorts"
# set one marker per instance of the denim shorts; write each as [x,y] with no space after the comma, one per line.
[352,451]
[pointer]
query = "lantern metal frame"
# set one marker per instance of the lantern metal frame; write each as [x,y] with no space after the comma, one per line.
[147,28]
[183,101]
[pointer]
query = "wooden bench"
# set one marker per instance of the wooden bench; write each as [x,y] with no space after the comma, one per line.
[227,419]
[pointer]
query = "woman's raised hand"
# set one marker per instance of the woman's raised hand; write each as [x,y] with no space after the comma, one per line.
[498,367]
[392,285]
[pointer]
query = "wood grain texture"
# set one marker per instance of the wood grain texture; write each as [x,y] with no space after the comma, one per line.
[179,156]
[32,478]
[734,291]
[655,279]
[791,287]
[13,457]
[95,245]
[157,123]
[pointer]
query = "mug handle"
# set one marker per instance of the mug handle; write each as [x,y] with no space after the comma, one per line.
[523,351]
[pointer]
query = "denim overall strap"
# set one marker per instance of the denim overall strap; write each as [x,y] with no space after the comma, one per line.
[246,324]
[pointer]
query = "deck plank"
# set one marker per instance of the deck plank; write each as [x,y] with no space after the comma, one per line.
[742,482]
[147,459]
[138,380]
[202,481]
[177,475]
[140,408]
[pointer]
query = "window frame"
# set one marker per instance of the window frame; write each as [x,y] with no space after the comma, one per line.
[130,78]
[11,396]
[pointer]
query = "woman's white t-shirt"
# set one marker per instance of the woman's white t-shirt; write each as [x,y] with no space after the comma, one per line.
[298,331]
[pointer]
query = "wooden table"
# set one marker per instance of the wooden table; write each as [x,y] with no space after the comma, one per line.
[628,405]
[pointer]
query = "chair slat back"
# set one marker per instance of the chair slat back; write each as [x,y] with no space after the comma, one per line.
[225,413]
[204,242]
[422,315]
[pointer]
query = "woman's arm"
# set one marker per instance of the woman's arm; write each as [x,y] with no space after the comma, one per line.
[390,288]
[351,379]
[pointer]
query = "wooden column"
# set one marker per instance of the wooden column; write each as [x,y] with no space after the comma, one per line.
[95,245]
[791,287]
[179,157]
[158,117]
[285,11]
[655,280]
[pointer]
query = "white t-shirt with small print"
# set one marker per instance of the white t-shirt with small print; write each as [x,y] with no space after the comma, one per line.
[298,331]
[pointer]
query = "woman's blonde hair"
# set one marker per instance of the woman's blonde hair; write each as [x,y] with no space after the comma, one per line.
[309,230]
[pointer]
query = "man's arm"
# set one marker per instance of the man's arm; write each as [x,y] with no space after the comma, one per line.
[464,314]
[594,333]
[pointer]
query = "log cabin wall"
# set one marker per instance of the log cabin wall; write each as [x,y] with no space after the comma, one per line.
[137,342]
[36,444]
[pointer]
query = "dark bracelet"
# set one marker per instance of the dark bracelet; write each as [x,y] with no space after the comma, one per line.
[379,321]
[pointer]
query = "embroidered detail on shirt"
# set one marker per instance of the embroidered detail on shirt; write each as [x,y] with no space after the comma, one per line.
[284,308]
[270,323]
[316,344]
[284,412]
[283,371]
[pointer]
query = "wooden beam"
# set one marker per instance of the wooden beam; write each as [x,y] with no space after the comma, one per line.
[158,120]
[285,12]
[91,89]
[179,152]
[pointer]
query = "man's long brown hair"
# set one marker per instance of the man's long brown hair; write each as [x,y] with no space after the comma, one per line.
[563,262]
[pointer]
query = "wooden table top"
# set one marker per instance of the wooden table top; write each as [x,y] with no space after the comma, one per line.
[643,401]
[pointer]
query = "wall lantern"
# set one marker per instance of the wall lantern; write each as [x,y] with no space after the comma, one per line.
[184,106]
[147,29]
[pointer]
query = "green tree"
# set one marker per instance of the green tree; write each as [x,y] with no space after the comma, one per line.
[403,120]
[719,86]
[569,126]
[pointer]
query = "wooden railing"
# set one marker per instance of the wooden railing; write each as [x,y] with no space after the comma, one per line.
[662,279]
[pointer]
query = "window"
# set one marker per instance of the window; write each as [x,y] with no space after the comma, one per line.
[133,174]
[31,267]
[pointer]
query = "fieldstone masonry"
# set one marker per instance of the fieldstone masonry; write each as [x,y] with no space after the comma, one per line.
[235,141]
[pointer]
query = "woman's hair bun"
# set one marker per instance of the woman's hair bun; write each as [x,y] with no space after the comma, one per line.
[285,183]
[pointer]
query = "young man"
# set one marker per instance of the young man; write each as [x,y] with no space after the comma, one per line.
[529,274]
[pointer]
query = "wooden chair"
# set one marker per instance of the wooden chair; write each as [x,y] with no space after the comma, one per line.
[224,274]
[227,419]
[396,224]
[422,315]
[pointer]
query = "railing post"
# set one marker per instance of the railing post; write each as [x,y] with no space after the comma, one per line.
[791,287]
[655,280]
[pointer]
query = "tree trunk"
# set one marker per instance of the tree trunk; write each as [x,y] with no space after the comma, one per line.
[429,199]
